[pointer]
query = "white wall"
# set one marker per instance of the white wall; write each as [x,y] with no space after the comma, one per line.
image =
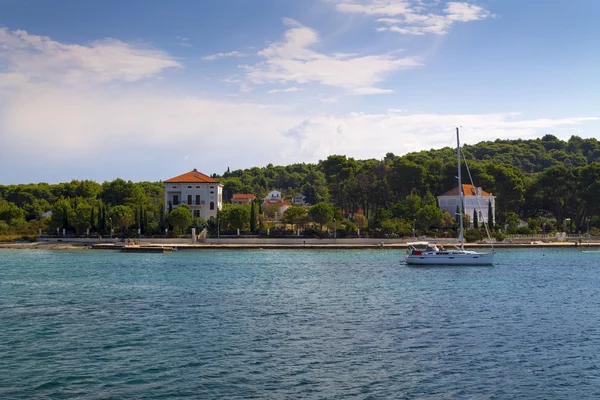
[449,203]
[209,192]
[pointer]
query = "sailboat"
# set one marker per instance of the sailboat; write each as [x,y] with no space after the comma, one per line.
[425,253]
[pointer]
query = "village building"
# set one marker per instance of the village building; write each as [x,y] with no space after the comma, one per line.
[242,198]
[275,201]
[201,193]
[299,200]
[475,199]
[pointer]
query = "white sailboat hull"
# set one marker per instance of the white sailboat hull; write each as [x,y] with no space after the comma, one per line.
[451,259]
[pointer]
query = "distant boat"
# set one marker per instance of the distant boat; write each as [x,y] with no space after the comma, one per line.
[424,253]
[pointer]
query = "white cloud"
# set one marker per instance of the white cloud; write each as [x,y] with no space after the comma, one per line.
[184,41]
[329,100]
[49,118]
[364,135]
[293,61]
[287,90]
[52,124]
[39,58]
[218,56]
[412,17]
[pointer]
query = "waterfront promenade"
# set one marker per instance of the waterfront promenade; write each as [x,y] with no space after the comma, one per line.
[276,243]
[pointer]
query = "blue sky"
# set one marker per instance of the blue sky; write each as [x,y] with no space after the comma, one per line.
[146,90]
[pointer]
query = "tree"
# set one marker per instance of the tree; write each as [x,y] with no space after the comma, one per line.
[490,218]
[475,219]
[10,212]
[122,217]
[238,216]
[93,219]
[253,217]
[62,214]
[321,213]
[429,217]
[199,224]
[162,220]
[180,218]
[360,221]
[294,215]
[81,216]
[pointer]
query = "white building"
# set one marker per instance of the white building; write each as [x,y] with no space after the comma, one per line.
[275,200]
[298,200]
[201,193]
[474,198]
[273,195]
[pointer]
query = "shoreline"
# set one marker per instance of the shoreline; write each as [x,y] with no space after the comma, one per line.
[65,245]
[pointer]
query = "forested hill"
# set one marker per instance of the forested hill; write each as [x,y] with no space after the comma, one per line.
[545,179]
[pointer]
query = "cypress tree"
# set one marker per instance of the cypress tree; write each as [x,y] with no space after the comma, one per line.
[145,220]
[92,219]
[490,220]
[475,220]
[101,218]
[161,217]
[252,217]
[457,215]
[136,217]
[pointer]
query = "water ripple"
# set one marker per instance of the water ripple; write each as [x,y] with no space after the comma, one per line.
[297,324]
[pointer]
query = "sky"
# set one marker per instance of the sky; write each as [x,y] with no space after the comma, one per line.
[148,89]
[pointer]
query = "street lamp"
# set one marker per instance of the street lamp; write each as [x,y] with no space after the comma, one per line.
[111,230]
[587,231]
[334,229]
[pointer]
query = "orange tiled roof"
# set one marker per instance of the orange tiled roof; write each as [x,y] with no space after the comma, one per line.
[243,196]
[192,177]
[468,190]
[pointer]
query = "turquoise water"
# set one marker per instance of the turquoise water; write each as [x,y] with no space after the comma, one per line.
[297,324]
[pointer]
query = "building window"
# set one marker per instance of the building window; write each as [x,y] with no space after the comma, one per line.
[197,187]
[212,205]
[197,199]
[196,213]
[212,192]
[174,187]
[212,187]
[175,200]
[189,187]
[189,199]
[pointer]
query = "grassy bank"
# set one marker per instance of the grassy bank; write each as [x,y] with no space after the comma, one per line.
[17,237]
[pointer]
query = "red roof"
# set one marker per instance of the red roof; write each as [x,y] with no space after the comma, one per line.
[468,190]
[243,196]
[192,177]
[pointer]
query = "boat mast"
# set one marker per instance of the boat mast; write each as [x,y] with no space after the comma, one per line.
[460,195]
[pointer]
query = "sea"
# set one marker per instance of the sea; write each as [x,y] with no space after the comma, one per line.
[297,324]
